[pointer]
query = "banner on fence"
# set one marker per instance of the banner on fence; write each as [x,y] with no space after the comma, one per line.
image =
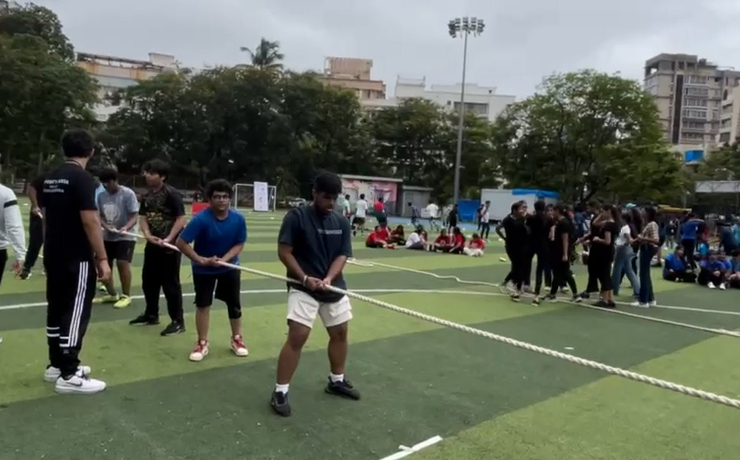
[261,197]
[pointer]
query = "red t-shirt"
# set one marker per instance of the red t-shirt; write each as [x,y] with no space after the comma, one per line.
[383,233]
[459,239]
[442,240]
[378,207]
[477,244]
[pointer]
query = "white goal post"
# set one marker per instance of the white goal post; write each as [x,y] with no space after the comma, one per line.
[244,197]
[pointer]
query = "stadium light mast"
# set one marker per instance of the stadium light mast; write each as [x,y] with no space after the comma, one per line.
[462,28]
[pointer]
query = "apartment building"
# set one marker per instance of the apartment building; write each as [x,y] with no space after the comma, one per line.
[729,124]
[689,92]
[353,74]
[480,100]
[115,73]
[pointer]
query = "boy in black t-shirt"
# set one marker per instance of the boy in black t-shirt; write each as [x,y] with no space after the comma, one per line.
[560,245]
[73,252]
[314,244]
[162,219]
[35,226]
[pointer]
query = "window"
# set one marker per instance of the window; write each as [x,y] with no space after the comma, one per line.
[693,124]
[694,91]
[692,136]
[473,107]
[696,79]
[693,113]
[694,102]
[724,137]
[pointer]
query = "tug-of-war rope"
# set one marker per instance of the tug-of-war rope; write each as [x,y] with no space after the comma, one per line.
[701,394]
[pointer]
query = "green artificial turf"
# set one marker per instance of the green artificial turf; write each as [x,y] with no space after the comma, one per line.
[488,400]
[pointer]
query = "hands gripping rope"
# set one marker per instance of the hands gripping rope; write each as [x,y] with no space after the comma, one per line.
[701,394]
[591,307]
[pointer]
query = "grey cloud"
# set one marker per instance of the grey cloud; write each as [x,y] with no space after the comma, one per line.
[524,39]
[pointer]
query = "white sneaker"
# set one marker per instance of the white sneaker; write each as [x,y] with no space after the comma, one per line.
[51,374]
[78,384]
[723,286]
[640,305]
[200,351]
[711,285]
[238,346]
[654,303]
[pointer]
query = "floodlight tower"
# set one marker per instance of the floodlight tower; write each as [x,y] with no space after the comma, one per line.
[462,28]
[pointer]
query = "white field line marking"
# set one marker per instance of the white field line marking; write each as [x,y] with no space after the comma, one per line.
[278,291]
[566,301]
[406,451]
[700,310]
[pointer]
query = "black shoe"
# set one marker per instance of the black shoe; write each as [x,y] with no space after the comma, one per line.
[145,320]
[175,327]
[343,388]
[24,275]
[515,297]
[577,299]
[536,300]
[280,404]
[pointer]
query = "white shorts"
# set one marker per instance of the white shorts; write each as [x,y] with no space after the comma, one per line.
[302,308]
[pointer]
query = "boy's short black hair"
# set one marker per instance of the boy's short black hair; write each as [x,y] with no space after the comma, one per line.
[218,185]
[156,166]
[107,175]
[77,143]
[328,183]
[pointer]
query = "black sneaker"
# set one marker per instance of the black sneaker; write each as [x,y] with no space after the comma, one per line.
[577,299]
[536,300]
[24,276]
[343,388]
[515,297]
[280,404]
[175,327]
[144,320]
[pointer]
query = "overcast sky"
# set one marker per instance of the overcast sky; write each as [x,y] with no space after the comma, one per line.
[524,40]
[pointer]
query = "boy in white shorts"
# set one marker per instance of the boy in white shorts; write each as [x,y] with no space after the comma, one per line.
[314,244]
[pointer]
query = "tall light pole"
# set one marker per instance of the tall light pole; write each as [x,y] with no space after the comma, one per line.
[462,27]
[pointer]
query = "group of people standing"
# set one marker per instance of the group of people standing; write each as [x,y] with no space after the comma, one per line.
[84,232]
[610,239]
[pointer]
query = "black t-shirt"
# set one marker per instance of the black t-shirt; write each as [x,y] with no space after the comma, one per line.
[539,227]
[317,241]
[38,185]
[162,208]
[562,227]
[66,191]
[515,231]
[602,249]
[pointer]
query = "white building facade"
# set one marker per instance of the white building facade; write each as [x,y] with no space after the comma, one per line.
[479,100]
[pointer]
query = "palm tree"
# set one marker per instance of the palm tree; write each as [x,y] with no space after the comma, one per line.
[266,56]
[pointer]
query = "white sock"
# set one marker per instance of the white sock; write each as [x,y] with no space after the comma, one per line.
[336,377]
[282,388]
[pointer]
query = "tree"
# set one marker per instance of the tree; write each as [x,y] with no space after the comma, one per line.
[266,56]
[586,134]
[41,95]
[723,163]
[39,22]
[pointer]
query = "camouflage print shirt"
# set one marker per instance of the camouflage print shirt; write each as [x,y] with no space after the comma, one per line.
[161,208]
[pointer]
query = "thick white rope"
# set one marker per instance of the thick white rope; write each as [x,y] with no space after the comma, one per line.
[689,391]
[567,301]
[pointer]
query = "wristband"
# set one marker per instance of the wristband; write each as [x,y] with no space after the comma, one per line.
[305,277]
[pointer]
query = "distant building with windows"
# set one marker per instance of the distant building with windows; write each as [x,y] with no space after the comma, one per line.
[7,5]
[353,74]
[694,98]
[480,100]
[113,74]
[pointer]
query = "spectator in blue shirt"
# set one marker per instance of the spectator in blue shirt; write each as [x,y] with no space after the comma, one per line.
[734,278]
[713,272]
[689,233]
[728,243]
[218,234]
[675,267]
